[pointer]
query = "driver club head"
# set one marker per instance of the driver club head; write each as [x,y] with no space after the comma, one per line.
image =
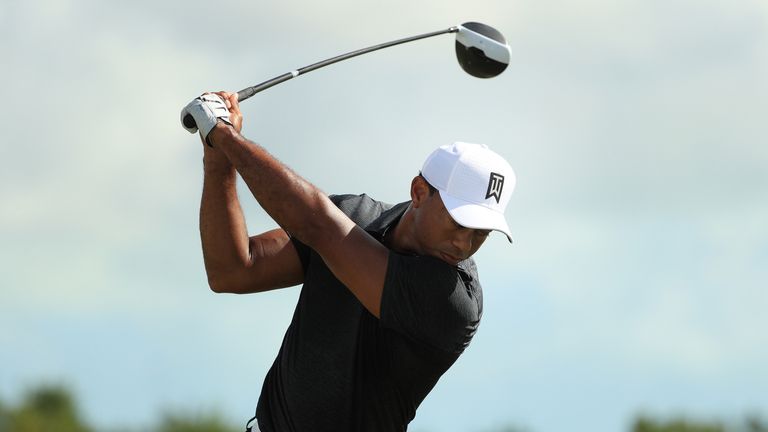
[481,50]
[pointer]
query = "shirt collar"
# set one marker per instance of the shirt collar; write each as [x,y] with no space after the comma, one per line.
[388,218]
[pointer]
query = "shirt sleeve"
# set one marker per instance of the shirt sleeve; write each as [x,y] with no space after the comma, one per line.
[303,251]
[428,300]
[351,206]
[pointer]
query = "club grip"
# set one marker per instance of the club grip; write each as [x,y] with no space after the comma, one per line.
[189,121]
[245,94]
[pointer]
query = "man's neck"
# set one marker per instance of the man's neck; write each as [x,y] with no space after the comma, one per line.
[399,237]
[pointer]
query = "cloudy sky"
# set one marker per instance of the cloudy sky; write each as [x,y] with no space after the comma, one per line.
[637,282]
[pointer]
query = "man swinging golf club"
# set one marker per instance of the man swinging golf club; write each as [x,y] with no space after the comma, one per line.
[390,294]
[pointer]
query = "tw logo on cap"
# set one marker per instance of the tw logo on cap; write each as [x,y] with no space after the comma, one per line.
[495,186]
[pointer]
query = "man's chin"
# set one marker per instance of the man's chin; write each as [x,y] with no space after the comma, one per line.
[448,258]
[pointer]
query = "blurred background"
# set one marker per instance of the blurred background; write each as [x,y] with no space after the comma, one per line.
[634,296]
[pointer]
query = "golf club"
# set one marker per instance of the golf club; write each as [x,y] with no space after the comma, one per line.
[481,51]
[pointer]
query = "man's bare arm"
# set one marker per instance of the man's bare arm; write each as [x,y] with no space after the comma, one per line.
[234,262]
[354,257]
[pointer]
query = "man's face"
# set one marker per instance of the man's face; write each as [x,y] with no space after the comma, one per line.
[439,235]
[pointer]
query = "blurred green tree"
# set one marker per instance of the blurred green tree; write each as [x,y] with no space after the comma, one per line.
[4,425]
[44,409]
[195,423]
[756,424]
[645,424]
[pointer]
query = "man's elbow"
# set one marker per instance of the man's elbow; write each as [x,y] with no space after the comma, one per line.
[222,279]
[230,285]
[218,286]
[224,285]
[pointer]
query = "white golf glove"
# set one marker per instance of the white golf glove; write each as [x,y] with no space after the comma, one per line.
[207,110]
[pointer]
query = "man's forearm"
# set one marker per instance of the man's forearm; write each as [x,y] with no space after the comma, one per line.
[223,230]
[295,204]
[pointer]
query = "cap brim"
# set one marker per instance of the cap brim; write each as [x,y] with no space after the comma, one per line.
[475,216]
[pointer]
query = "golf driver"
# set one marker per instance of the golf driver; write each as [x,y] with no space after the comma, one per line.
[481,50]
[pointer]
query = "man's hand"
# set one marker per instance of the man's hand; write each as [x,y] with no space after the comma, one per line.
[232,104]
[235,116]
[208,109]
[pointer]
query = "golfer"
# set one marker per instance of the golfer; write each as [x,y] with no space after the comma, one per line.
[390,295]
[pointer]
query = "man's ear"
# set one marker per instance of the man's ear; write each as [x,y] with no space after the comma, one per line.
[419,191]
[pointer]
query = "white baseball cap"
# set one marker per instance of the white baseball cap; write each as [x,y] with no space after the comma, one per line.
[474,182]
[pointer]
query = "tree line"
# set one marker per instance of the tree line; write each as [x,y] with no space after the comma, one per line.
[53,408]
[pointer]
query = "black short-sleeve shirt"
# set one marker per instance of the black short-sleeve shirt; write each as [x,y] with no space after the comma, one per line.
[340,368]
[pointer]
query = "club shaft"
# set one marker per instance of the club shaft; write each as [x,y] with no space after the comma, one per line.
[250,91]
